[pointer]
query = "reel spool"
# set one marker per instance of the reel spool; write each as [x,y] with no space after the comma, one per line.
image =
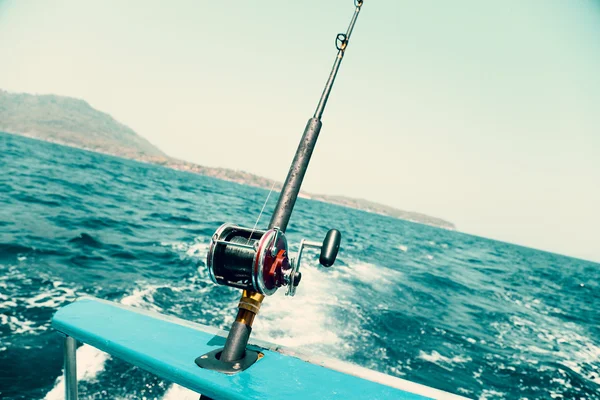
[258,261]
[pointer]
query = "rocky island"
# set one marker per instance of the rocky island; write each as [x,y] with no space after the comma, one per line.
[73,122]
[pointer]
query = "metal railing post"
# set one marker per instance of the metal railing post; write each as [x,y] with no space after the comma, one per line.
[70,351]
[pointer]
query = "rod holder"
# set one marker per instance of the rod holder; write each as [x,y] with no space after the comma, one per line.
[235,344]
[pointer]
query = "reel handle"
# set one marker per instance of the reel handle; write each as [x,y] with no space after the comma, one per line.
[330,248]
[329,251]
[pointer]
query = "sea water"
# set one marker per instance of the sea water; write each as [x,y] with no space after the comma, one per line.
[468,315]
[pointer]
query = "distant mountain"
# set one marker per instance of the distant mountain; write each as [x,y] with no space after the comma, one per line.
[73,122]
[385,210]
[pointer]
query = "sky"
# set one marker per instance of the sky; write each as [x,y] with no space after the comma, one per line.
[484,113]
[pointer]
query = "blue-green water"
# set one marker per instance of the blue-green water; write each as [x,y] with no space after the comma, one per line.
[468,315]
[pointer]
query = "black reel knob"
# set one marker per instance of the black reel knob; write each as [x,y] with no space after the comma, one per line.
[330,248]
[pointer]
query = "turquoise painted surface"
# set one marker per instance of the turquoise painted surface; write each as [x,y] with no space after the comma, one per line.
[168,349]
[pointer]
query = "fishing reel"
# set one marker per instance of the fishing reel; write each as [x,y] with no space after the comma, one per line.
[258,261]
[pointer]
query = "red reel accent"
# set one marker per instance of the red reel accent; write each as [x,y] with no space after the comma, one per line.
[274,274]
[271,262]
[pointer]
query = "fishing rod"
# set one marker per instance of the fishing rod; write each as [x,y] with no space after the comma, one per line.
[257,261]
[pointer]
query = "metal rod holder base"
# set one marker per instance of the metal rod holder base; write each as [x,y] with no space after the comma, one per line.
[212,361]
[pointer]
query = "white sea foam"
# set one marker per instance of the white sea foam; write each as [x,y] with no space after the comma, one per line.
[90,362]
[378,277]
[6,302]
[491,394]
[52,298]
[60,294]
[177,246]
[302,321]
[46,297]
[565,342]
[587,353]
[437,358]
[308,321]
[19,326]
[176,392]
[305,322]
[562,382]
[196,249]
[477,375]
[143,298]
[143,295]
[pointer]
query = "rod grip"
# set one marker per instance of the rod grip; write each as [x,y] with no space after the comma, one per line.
[291,187]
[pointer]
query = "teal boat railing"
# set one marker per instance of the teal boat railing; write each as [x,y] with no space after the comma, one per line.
[167,347]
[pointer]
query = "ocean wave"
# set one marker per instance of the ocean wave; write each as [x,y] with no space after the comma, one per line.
[547,342]
[20,252]
[98,223]
[86,261]
[197,249]
[378,277]
[57,296]
[17,326]
[26,198]
[90,363]
[10,249]
[488,394]
[24,302]
[143,298]
[443,361]
[527,319]
[176,392]
[306,321]
[172,218]
[86,240]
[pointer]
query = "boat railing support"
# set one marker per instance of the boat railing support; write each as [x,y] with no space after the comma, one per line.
[70,353]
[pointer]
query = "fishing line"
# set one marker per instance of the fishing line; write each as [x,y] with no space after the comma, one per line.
[261,212]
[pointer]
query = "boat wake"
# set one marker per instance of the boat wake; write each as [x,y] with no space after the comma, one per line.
[424,300]
[90,362]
